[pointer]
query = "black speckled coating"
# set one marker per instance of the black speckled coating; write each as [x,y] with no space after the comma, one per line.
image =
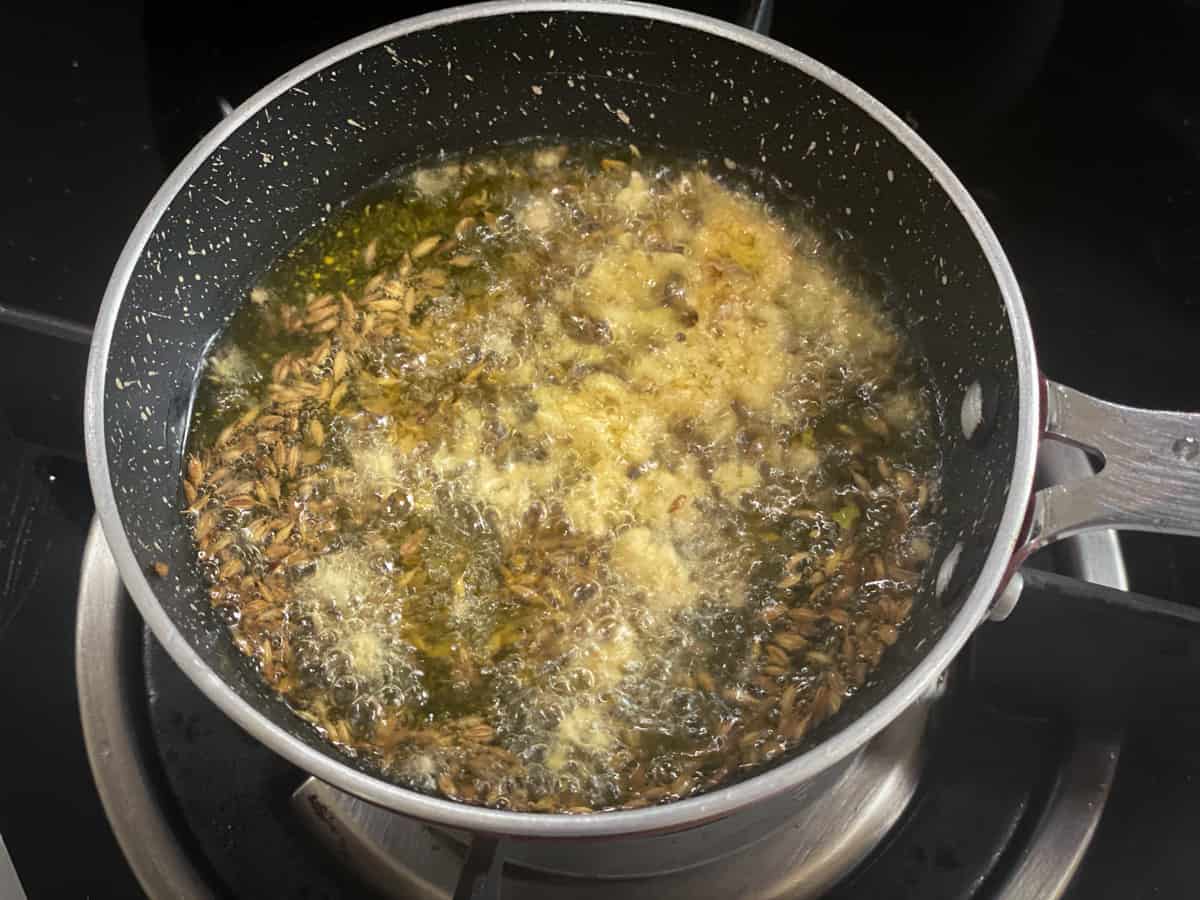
[577,75]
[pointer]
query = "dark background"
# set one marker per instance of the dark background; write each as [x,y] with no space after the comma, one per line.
[1075,124]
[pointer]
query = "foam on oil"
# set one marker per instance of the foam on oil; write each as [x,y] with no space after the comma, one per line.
[552,527]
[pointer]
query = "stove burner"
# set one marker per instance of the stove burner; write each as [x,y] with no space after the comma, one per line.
[987,802]
[796,845]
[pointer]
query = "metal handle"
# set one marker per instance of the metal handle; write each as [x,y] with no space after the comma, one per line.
[1150,469]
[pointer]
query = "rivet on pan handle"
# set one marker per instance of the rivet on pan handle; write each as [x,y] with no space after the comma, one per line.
[1149,478]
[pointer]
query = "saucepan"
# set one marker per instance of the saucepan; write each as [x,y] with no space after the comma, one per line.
[468,78]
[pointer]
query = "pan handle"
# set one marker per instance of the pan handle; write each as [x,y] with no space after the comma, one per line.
[1149,478]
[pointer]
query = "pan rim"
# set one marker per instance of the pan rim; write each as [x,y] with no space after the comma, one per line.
[681,813]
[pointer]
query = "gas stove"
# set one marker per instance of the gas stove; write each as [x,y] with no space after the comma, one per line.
[1056,760]
[961,795]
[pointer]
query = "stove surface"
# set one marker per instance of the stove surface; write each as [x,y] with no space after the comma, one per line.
[1077,129]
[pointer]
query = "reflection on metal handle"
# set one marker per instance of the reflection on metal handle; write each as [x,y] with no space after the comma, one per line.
[1149,479]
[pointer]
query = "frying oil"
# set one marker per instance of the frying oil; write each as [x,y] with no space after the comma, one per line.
[555,533]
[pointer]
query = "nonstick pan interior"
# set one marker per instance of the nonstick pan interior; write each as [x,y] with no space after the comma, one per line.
[303,146]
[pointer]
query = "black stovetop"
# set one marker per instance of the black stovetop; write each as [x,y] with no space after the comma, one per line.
[1078,130]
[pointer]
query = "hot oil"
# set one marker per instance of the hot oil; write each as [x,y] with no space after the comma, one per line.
[559,479]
